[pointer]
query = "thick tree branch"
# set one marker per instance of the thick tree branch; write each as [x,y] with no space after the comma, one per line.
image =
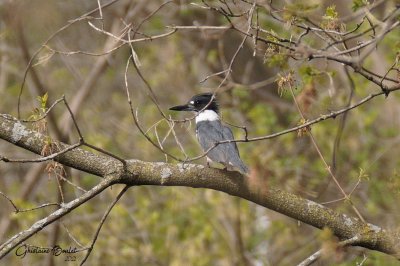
[196,176]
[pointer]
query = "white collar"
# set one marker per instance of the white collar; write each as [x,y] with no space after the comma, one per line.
[207,115]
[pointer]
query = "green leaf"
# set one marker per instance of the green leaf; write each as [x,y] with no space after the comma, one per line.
[330,12]
[43,101]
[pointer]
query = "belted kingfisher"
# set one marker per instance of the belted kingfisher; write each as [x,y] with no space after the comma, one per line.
[209,131]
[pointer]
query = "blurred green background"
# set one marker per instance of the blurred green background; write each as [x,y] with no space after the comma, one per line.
[185,226]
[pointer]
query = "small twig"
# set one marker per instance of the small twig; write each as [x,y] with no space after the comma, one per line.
[123,161]
[344,198]
[151,15]
[311,259]
[73,118]
[69,53]
[340,129]
[58,177]
[342,122]
[154,125]
[362,262]
[134,114]
[213,75]
[171,125]
[103,219]
[315,256]
[18,210]
[45,114]
[101,14]
[39,207]
[244,128]
[12,203]
[392,67]
[42,159]
[202,27]
[72,184]
[328,168]
[133,56]
[72,237]
[158,138]
[134,40]
[333,201]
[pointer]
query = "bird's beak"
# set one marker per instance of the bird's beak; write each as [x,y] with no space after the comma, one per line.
[185,107]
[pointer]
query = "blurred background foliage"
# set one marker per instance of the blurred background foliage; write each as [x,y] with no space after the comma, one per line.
[185,226]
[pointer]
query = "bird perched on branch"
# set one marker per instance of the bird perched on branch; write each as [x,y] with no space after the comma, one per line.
[210,132]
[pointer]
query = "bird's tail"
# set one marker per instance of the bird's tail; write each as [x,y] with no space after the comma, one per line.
[242,167]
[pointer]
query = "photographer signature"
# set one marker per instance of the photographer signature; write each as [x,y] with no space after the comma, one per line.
[24,249]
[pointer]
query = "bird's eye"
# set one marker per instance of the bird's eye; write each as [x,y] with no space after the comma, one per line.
[197,102]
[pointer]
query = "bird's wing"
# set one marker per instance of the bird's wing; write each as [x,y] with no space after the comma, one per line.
[208,133]
[228,135]
[232,150]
